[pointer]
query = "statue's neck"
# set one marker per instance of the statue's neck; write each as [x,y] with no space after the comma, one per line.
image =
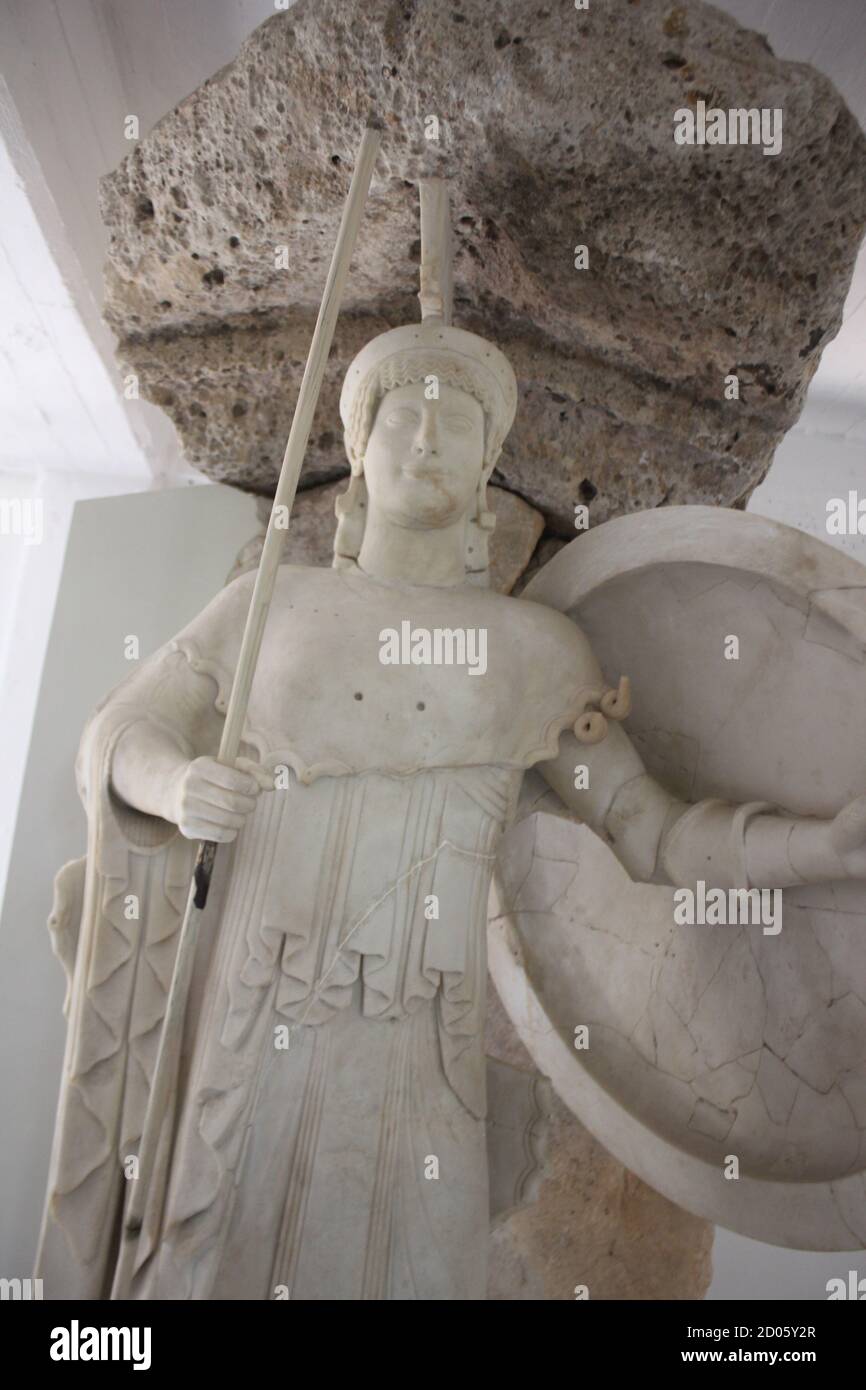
[401,554]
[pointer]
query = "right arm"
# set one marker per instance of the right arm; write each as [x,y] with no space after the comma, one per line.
[152,771]
[202,797]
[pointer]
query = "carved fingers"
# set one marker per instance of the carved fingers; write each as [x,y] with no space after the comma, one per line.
[212,801]
[264,778]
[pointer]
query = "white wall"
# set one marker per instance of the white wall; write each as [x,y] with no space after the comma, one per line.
[30,571]
[138,564]
[809,469]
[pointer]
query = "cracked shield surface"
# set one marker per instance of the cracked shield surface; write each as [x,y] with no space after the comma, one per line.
[707,1042]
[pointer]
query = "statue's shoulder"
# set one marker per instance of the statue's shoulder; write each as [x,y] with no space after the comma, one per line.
[211,642]
[293,585]
[543,633]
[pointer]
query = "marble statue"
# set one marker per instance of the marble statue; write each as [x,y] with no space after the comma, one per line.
[328,1137]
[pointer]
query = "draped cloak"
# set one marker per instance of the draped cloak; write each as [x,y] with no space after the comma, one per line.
[327,1136]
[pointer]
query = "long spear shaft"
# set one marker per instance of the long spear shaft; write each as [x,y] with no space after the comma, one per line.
[175,1011]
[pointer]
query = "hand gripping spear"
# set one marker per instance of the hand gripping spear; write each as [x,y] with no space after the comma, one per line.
[153,1156]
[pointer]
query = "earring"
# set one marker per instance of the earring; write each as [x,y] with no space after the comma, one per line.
[350,509]
[478,533]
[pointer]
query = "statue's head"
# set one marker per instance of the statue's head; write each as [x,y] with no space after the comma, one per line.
[425,411]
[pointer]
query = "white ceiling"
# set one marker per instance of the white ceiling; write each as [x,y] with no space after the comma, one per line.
[73,69]
[70,72]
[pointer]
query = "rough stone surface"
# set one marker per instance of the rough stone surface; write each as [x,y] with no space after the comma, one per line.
[593,1223]
[556,128]
[310,540]
[547,547]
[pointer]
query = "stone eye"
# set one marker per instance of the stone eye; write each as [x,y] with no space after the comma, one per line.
[402,417]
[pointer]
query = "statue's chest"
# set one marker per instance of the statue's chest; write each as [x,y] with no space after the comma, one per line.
[391,685]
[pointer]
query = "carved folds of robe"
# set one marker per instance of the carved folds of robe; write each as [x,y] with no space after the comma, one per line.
[333,1061]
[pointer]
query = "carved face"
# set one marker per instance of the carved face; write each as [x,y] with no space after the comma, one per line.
[424,458]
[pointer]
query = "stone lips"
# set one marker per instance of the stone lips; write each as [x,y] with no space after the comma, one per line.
[556,130]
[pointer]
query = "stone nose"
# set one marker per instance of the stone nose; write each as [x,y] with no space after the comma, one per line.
[427,439]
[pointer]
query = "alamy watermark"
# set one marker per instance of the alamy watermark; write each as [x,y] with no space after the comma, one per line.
[24,517]
[738,126]
[20,1290]
[731,907]
[77,1343]
[852,1288]
[438,646]
[846,516]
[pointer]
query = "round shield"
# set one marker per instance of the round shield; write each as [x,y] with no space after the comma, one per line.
[724,1064]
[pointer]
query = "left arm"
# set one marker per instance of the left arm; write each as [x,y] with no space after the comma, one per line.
[661,839]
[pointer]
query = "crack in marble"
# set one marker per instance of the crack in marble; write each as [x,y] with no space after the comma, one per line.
[838,1089]
[859,1236]
[414,868]
[512,898]
[699,1001]
[797,1084]
[714,1138]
